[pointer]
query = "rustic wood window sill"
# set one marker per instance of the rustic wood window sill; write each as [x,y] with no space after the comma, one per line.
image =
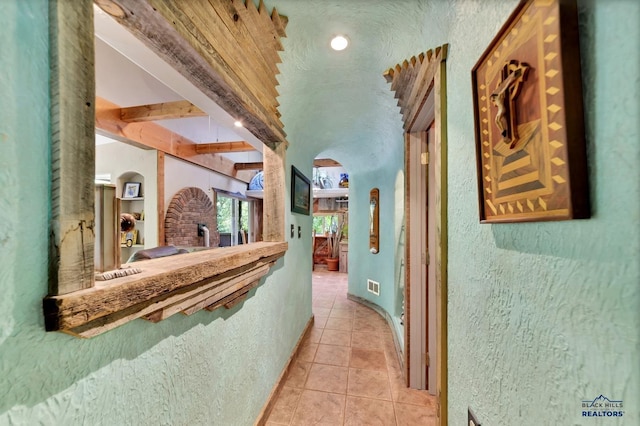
[184,283]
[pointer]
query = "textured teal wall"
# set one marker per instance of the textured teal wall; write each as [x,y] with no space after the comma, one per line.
[364,265]
[545,315]
[211,368]
[338,105]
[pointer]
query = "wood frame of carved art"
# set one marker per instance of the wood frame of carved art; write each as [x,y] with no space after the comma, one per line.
[528,113]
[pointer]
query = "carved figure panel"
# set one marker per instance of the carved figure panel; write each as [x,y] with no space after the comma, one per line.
[529,120]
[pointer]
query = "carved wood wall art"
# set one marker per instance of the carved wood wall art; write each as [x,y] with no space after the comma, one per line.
[527,94]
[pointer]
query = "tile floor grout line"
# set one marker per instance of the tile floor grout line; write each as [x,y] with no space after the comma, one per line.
[329,301]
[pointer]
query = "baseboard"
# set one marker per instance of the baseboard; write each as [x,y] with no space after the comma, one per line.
[387,317]
[273,396]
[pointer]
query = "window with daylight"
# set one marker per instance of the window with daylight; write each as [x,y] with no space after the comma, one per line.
[234,224]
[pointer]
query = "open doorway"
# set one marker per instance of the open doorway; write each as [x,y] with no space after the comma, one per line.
[421,90]
[330,216]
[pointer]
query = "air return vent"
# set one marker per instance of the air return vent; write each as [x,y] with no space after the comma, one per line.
[373,287]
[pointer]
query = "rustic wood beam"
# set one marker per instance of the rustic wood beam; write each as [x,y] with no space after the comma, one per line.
[273,201]
[267,43]
[321,162]
[249,166]
[204,296]
[168,283]
[280,22]
[326,162]
[216,25]
[151,135]
[160,193]
[413,80]
[424,84]
[72,88]
[162,111]
[222,147]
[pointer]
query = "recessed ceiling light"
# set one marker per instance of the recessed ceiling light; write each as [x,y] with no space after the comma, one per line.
[238,123]
[339,42]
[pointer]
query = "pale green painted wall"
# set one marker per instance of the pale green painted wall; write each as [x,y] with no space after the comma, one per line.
[338,105]
[211,368]
[545,315]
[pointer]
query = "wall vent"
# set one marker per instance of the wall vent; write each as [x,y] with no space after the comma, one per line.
[373,287]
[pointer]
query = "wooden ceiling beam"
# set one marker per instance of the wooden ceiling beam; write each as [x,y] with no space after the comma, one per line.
[162,111]
[154,136]
[320,162]
[249,166]
[325,162]
[222,147]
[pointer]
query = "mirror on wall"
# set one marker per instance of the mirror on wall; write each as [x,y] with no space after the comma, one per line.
[374,220]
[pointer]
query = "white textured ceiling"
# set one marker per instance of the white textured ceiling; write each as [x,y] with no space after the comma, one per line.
[337,103]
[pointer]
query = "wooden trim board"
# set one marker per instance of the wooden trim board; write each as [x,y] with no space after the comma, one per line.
[275,392]
[420,86]
[182,283]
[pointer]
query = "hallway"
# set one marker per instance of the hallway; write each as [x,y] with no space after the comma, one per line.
[347,372]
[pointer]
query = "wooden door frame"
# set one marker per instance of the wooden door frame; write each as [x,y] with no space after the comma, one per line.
[416,268]
[420,86]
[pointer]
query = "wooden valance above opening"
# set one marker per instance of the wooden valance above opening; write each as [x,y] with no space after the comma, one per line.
[412,81]
[201,40]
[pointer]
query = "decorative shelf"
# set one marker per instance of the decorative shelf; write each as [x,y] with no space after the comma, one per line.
[185,283]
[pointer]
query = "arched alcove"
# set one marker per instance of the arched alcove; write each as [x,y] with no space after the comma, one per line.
[189,208]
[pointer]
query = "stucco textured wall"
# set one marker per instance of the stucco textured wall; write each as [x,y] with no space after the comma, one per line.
[545,315]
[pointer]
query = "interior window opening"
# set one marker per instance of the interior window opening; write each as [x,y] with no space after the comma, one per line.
[88,298]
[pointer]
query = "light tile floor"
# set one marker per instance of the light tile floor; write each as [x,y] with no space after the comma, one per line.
[347,371]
